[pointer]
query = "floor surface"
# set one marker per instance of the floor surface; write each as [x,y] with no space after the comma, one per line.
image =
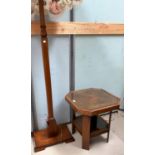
[98,145]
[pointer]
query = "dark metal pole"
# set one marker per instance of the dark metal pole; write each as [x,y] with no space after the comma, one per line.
[72,64]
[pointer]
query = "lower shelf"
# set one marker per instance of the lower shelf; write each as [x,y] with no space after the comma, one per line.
[101,126]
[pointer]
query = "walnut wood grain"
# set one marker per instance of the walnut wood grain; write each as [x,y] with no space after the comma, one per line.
[54,133]
[79,28]
[42,140]
[96,128]
[86,132]
[92,101]
[52,125]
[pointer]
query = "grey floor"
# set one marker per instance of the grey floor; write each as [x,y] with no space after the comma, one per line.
[98,144]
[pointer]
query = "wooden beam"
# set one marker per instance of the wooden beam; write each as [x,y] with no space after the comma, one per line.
[79,28]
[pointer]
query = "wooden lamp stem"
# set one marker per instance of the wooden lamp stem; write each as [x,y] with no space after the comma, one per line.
[52,126]
[54,133]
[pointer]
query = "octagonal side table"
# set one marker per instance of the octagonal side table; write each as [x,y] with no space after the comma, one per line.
[90,103]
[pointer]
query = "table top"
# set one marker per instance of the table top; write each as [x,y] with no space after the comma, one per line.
[92,101]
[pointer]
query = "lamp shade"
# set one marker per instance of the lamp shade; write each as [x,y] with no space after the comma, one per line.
[54,7]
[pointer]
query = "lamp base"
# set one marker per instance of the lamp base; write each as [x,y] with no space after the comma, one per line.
[42,140]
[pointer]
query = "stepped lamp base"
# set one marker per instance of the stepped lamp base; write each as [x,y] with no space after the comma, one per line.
[42,140]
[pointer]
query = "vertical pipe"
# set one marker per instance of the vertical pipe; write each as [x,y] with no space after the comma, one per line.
[72,63]
[72,56]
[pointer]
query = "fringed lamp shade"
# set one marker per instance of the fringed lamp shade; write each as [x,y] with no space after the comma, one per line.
[55,7]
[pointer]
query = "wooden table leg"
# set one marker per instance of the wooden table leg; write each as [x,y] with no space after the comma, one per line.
[86,132]
[109,126]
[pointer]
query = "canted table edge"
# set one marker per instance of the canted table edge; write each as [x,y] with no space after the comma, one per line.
[97,111]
